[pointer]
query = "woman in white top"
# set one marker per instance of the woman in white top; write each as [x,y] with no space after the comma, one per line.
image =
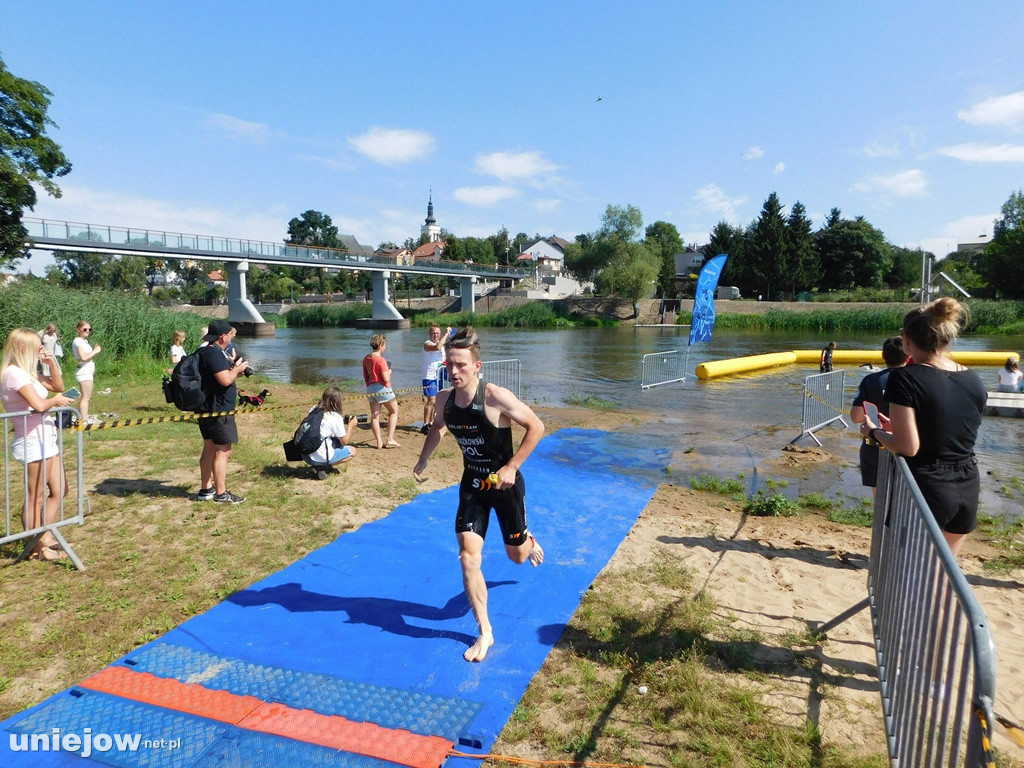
[35,435]
[335,432]
[52,344]
[85,353]
[1010,376]
[177,348]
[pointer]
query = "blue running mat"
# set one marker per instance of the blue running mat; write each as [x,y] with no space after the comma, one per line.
[378,617]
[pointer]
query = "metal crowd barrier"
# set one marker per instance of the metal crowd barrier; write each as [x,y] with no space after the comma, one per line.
[823,403]
[504,373]
[936,658]
[72,509]
[659,368]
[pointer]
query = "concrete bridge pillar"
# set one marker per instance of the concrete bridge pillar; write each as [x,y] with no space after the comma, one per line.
[384,313]
[241,313]
[468,303]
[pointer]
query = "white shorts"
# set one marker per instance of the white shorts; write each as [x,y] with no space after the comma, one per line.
[86,372]
[36,448]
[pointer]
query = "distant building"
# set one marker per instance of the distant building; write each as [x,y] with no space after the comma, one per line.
[399,256]
[350,244]
[689,261]
[433,251]
[974,245]
[548,253]
[430,230]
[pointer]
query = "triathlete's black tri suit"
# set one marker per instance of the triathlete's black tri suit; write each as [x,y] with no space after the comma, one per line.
[486,448]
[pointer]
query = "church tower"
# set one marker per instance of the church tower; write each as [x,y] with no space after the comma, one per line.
[430,230]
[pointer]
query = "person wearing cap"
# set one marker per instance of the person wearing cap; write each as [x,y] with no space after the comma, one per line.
[219,373]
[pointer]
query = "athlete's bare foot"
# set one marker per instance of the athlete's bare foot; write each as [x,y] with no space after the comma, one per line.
[536,556]
[478,651]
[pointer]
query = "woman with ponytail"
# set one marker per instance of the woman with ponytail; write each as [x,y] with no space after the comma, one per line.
[935,408]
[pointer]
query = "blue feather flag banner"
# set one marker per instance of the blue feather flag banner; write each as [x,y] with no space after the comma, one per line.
[704,303]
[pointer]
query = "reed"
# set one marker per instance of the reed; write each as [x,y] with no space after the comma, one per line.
[535,314]
[328,315]
[134,334]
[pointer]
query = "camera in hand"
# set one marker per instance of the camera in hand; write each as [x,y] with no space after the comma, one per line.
[247,371]
[347,418]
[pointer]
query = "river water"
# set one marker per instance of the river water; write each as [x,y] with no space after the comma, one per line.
[727,426]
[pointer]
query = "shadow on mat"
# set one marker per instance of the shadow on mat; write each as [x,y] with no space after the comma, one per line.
[390,615]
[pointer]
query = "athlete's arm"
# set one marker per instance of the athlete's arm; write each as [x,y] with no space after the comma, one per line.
[507,404]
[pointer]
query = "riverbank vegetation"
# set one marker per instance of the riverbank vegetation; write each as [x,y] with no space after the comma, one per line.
[987,317]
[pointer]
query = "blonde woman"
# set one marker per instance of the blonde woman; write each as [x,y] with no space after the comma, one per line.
[85,353]
[35,435]
[377,377]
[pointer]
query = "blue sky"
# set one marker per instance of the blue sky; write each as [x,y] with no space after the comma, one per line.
[230,118]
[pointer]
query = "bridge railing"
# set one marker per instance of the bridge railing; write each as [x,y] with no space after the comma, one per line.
[183,244]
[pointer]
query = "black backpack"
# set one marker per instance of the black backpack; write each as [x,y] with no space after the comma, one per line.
[184,387]
[307,437]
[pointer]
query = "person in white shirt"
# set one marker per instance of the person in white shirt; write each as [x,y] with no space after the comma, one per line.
[433,361]
[1010,376]
[177,348]
[85,353]
[335,433]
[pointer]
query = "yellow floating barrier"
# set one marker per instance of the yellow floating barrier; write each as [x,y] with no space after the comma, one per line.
[717,368]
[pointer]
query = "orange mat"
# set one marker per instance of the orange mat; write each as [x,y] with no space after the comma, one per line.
[333,731]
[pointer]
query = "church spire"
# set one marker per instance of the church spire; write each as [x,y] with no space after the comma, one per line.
[430,231]
[430,210]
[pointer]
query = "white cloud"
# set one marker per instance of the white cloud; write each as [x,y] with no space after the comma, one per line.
[976,152]
[1005,111]
[965,228]
[754,153]
[876,148]
[393,146]
[511,167]
[779,168]
[549,204]
[713,198]
[902,184]
[484,197]
[236,128]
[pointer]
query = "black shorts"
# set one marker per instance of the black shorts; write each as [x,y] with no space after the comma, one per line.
[220,430]
[509,505]
[868,465]
[951,489]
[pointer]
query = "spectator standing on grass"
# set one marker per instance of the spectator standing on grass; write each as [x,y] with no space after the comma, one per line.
[220,433]
[85,355]
[826,358]
[377,377]
[935,408]
[51,343]
[177,347]
[872,389]
[23,388]
[433,362]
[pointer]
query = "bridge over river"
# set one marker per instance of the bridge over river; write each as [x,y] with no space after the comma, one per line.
[236,253]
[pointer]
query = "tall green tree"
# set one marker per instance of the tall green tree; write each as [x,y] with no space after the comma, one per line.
[731,240]
[804,268]
[1003,261]
[311,228]
[769,252]
[664,242]
[27,156]
[906,268]
[853,254]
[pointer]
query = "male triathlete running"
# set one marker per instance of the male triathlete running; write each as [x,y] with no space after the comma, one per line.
[480,419]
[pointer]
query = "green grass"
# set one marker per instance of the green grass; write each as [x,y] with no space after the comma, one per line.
[579,400]
[770,505]
[328,315]
[708,482]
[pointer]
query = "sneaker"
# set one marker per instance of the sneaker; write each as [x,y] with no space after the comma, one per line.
[425,429]
[228,498]
[205,494]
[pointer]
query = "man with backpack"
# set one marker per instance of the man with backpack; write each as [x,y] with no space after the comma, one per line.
[218,373]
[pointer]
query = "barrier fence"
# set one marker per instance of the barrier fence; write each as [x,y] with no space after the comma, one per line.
[504,373]
[71,510]
[659,368]
[823,403]
[936,658]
